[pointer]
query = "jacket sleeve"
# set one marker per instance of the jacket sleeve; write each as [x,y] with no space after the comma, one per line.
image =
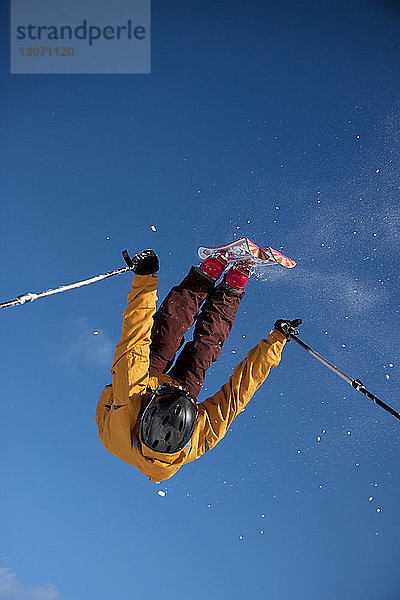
[217,413]
[132,355]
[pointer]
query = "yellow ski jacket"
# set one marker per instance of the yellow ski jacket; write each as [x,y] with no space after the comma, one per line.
[122,403]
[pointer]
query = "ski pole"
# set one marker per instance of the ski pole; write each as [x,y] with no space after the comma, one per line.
[355,383]
[28,297]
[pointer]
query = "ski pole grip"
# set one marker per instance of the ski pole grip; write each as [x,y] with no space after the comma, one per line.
[127,259]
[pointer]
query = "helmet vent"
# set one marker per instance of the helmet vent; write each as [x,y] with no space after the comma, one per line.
[168,449]
[168,435]
[178,409]
[165,420]
[155,443]
[181,425]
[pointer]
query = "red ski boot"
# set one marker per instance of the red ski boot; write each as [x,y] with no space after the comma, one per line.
[214,266]
[237,276]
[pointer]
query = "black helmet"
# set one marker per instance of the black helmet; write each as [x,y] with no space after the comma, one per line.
[168,421]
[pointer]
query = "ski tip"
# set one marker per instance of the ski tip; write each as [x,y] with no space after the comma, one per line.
[253,248]
[282,259]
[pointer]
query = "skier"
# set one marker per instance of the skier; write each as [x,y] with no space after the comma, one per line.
[149,416]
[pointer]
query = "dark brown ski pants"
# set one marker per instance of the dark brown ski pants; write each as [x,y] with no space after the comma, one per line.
[177,314]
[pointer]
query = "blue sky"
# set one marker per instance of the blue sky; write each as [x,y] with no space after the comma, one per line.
[277,121]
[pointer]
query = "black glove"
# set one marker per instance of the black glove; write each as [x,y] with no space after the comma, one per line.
[287,327]
[145,263]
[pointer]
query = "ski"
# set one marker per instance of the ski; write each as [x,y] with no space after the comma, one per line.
[244,248]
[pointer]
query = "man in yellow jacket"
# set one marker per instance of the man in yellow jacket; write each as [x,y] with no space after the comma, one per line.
[149,416]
